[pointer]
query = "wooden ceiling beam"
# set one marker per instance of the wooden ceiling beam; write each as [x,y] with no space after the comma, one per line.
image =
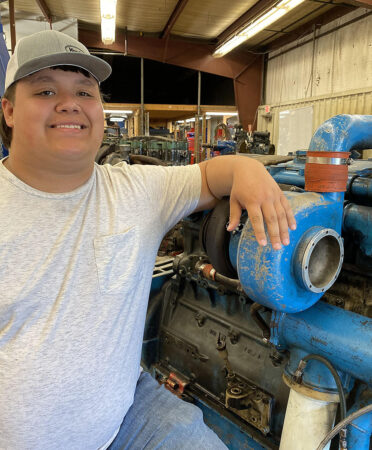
[173,18]
[45,10]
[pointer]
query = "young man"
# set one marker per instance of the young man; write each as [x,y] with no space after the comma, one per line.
[77,248]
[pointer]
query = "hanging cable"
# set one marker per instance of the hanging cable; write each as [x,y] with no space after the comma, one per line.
[298,378]
[301,367]
[344,424]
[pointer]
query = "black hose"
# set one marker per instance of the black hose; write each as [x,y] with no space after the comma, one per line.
[254,311]
[336,377]
[343,424]
[230,282]
[146,160]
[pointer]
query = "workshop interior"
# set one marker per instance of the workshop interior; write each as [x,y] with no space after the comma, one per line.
[275,347]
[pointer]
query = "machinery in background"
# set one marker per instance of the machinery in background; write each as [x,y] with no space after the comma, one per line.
[169,151]
[259,143]
[256,142]
[269,343]
[115,149]
[223,144]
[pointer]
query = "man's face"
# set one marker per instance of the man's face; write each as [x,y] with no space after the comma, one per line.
[57,117]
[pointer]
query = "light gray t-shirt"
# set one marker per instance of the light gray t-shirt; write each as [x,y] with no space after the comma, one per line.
[75,275]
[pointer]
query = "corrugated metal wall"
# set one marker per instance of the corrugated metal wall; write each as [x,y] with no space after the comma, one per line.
[332,73]
[324,107]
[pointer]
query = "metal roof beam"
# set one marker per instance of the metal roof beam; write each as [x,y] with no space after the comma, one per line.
[12,25]
[244,68]
[364,3]
[45,10]
[173,18]
[306,29]
[257,9]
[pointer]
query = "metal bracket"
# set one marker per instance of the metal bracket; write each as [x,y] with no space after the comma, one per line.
[250,403]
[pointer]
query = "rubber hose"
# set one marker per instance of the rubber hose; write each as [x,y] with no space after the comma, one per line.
[337,378]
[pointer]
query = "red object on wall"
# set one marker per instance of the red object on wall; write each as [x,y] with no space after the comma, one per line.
[190,135]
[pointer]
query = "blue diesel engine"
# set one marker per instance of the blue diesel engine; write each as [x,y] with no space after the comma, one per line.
[276,346]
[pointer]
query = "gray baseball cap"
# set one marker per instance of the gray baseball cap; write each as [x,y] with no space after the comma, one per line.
[48,49]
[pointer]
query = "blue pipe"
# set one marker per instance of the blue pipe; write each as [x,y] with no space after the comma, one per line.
[343,337]
[285,176]
[343,133]
[359,218]
[361,187]
[359,432]
[275,278]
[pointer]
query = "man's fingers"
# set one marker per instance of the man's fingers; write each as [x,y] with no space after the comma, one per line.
[288,210]
[255,216]
[235,214]
[283,223]
[271,218]
[275,212]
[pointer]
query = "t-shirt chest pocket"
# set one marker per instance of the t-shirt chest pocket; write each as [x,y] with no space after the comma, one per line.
[117,259]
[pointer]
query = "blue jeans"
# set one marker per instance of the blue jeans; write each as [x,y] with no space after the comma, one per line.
[160,420]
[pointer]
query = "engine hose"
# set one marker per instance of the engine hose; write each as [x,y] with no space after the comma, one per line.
[230,282]
[254,311]
[343,424]
[337,378]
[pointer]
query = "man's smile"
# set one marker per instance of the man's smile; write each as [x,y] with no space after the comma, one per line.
[69,126]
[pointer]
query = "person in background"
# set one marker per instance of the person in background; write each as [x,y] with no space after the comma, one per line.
[78,244]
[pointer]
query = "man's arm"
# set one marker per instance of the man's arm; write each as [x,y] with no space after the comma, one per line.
[250,187]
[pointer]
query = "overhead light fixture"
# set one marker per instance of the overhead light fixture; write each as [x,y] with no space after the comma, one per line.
[108,21]
[117,118]
[192,119]
[260,23]
[222,113]
[117,111]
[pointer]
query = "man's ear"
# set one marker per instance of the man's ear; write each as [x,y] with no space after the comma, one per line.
[7,107]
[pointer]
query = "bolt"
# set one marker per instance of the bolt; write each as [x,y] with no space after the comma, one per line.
[235,391]
[234,336]
[243,300]
[221,290]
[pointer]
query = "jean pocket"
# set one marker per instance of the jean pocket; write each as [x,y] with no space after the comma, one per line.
[116,261]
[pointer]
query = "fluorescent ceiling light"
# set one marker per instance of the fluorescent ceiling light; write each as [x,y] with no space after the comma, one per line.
[117,111]
[217,113]
[257,25]
[117,119]
[108,18]
[191,120]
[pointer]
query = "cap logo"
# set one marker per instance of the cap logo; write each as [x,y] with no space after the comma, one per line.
[73,49]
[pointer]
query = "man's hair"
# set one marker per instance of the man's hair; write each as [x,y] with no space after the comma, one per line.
[5,131]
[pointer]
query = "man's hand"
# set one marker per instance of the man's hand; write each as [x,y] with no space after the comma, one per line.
[250,187]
